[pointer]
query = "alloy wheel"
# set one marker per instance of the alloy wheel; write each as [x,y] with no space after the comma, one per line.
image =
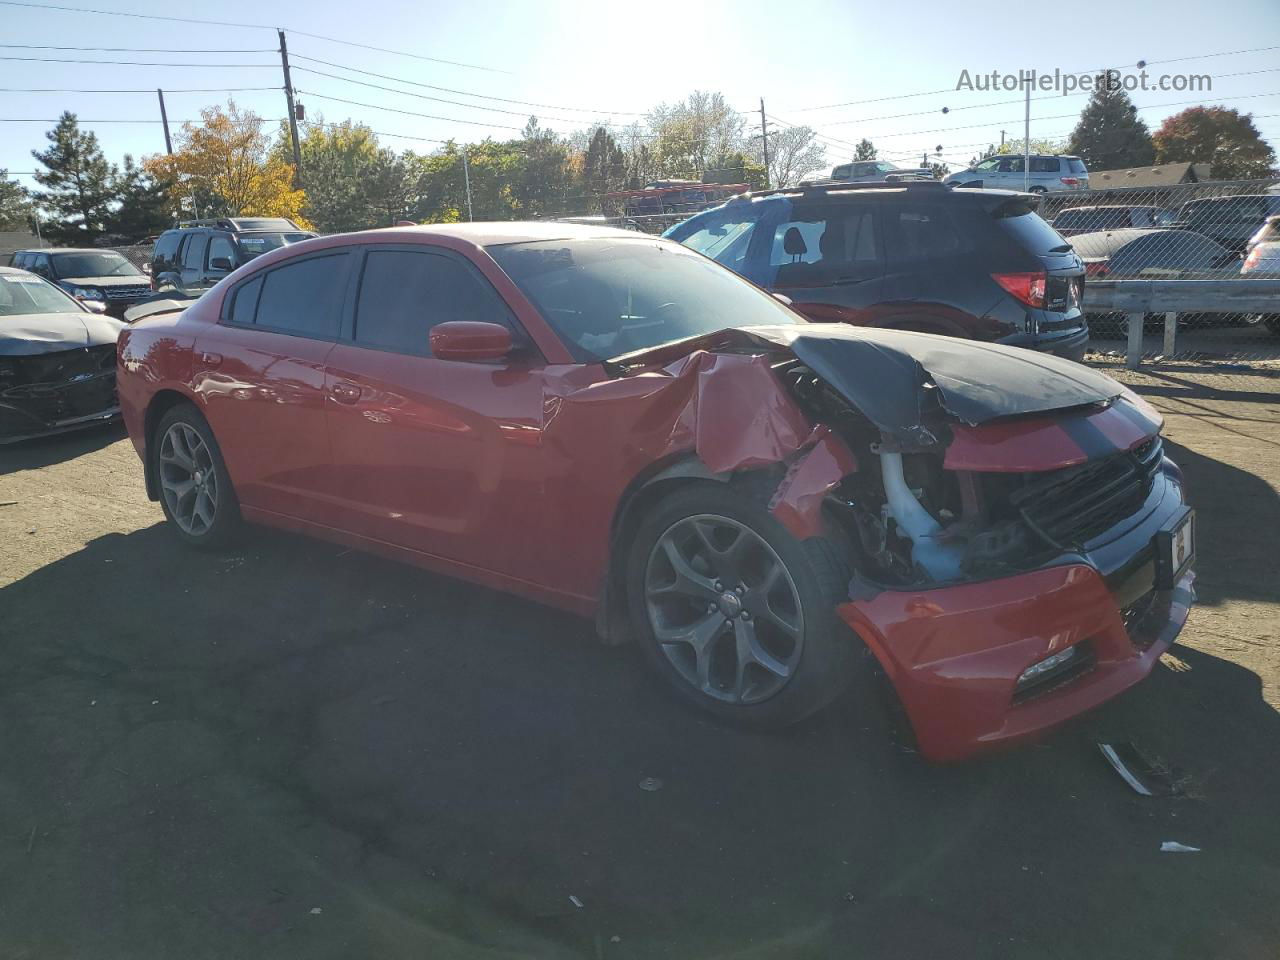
[188,479]
[724,609]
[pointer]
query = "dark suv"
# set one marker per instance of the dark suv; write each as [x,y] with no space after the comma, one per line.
[91,276]
[196,254]
[913,255]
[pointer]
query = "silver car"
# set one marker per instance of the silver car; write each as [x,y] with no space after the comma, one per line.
[1049,174]
[868,171]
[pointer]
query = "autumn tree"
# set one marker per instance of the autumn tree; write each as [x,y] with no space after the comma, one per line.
[1110,135]
[1226,139]
[15,207]
[225,166]
[865,150]
[80,185]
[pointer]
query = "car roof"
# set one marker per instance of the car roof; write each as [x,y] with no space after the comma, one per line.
[499,232]
[67,250]
[1104,243]
[1110,206]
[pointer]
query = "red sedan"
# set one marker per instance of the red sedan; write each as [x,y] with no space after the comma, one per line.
[620,427]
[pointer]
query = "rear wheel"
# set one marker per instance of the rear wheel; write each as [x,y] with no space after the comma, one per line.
[736,614]
[195,490]
[1038,190]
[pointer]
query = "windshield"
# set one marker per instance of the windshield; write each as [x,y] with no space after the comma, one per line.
[23,294]
[251,245]
[93,265]
[608,297]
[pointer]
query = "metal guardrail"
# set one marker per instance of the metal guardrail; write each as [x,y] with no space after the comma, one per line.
[1138,298]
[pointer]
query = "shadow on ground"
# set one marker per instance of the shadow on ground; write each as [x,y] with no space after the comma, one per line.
[44,451]
[294,750]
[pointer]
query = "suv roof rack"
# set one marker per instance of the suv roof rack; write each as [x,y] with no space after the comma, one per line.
[234,223]
[831,186]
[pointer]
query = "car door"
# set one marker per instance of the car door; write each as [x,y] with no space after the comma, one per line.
[827,257]
[439,456]
[191,273]
[260,372]
[42,266]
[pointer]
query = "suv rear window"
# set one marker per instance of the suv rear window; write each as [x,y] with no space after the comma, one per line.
[1076,165]
[1026,228]
[167,246]
[253,244]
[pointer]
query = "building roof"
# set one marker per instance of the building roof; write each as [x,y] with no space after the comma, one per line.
[1163,175]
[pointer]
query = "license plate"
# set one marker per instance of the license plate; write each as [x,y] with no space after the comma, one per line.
[1175,549]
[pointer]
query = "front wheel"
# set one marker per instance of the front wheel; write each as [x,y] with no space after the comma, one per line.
[736,614]
[195,489]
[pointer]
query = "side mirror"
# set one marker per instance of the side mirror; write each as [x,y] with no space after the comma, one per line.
[470,340]
[220,263]
[782,298]
[93,306]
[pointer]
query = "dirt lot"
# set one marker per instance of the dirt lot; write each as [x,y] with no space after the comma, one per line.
[297,751]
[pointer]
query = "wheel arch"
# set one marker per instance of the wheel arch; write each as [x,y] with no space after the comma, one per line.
[162,401]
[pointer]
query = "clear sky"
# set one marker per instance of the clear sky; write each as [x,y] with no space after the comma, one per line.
[612,61]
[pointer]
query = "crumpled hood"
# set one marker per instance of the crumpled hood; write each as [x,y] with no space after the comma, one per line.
[896,378]
[33,334]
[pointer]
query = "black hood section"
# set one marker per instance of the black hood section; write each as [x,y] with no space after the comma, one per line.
[33,334]
[903,382]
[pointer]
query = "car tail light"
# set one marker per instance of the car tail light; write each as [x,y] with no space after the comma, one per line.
[1071,181]
[1096,268]
[1026,287]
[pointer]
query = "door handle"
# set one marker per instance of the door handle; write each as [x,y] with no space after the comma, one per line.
[345,392]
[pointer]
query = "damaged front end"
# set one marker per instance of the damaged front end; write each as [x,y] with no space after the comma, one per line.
[1021,544]
[50,392]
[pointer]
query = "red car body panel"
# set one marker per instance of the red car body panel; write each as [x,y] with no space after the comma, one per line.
[514,475]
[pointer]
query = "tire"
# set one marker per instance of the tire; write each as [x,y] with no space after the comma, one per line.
[184,451]
[788,674]
[1038,190]
[1272,320]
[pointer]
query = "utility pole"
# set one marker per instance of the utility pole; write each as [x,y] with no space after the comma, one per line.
[1001,139]
[764,142]
[164,118]
[466,175]
[293,113]
[1026,143]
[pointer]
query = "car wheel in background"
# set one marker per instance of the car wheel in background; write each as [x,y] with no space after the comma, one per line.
[195,489]
[736,614]
[1039,189]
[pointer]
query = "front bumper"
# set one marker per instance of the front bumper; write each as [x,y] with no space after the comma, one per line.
[38,410]
[954,654]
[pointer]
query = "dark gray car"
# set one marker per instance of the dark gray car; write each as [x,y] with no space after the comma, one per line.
[89,275]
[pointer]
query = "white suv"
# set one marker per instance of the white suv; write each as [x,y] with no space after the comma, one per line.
[1049,174]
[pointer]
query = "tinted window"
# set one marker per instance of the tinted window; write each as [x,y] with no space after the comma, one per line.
[1045,165]
[404,293]
[40,264]
[252,245]
[167,246]
[922,232]
[1029,231]
[831,240]
[245,304]
[193,255]
[304,297]
[1076,166]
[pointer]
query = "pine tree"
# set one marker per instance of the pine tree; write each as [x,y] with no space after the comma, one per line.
[866,150]
[14,205]
[604,166]
[143,205]
[80,185]
[1110,135]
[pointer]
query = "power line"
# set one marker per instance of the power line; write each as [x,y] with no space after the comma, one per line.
[150,91]
[33,46]
[464,93]
[79,120]
[135,63]
[409,113]
[247,26]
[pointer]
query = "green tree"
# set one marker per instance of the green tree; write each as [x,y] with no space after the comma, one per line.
[1110,135]
[697,134]
[866,150]
[336,160]
[1038,145]
[1227,139]
[15,207]
[143,204]
[544,181]
[387,187]
[80,185]
[604,165]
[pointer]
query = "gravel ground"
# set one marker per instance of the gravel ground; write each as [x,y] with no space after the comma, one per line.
[293,750]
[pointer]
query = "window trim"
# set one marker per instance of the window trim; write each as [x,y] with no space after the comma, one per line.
[523,346]
[347,253]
